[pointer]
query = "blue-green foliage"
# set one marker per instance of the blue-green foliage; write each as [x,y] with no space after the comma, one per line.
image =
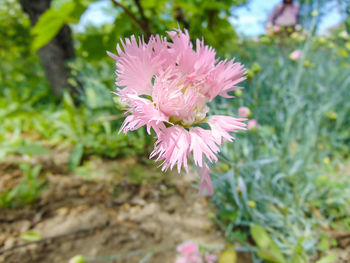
[275,176]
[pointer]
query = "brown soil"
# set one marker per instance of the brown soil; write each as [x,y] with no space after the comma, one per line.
[115,212]
[112,211]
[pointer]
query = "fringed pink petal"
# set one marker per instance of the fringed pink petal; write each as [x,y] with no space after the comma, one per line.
[203,143]
[172,147]
[143,112]
[221,126]
[224,78]
[137,62]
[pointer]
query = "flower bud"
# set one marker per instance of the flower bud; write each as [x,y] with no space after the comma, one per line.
[252,204]
[326,161]
[244,112]
[295,55]
[256,67]
[252,125]
[238,93]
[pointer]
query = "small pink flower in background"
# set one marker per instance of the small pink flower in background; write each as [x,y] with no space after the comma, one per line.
[276,28]
[167,85]
[269,30]
[295,55]
[252,124]
[188,248]
[190,254]
[244,112]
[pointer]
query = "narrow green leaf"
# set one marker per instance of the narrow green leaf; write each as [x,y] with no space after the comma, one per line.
[268,248]
[75,156]
[68,102]
[260,236]
[299,253]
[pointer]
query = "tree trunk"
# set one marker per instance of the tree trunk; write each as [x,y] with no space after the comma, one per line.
[54,54]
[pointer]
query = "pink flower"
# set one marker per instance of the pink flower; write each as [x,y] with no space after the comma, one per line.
[276,28]
[172,147]
[167,85]
[188,248]
[189,253]
[295,55]
[252,124]
[244,112]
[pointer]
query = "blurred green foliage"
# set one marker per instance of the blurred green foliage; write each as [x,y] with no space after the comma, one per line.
[31,119]
[30,116]
[14,30]
[205,19]
[269,251]
[27,191]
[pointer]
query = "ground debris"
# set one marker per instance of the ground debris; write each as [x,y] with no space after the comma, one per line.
[98,217]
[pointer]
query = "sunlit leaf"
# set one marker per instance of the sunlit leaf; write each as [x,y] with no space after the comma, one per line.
[52,20]
[30,236]
[268,248]
[47,27]
[228,256]
[331,258]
